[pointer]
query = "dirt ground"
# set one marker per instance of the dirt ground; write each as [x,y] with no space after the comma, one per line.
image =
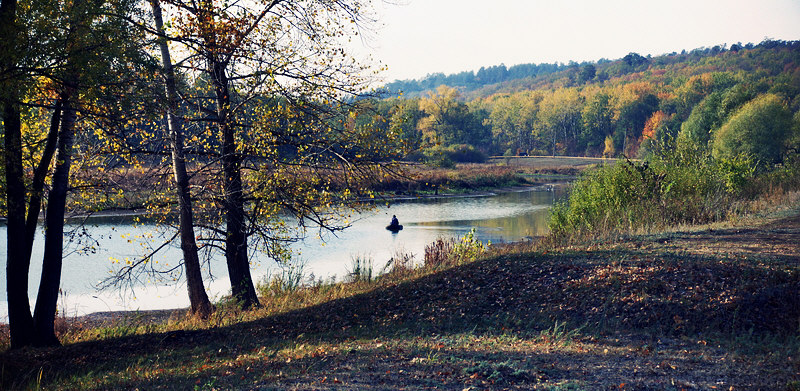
[671,351]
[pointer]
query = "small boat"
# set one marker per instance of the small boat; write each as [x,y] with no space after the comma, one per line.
[394,228]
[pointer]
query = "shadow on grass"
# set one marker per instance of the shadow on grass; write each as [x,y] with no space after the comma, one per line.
[654,295]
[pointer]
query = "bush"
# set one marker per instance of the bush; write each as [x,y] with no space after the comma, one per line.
[437,157]
[758,129]
[468,248]
[677,185]
[415,156]
[450,252]
[464,153]
[449,156]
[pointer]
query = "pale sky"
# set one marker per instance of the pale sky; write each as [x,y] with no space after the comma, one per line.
[420,37]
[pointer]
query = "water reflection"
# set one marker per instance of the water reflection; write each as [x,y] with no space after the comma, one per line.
[505,217]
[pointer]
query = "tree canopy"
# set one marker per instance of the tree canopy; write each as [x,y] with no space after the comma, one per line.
[759,130]
[636,102]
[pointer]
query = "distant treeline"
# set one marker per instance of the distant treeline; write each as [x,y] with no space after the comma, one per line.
[471,80]
[741,99]
[582,72]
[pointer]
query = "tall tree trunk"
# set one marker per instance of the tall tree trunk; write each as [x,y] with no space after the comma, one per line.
[242,286]
[39,176]
[47,298]
[17,264]
[194,278]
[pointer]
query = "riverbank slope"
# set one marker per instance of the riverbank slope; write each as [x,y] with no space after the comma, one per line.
[712,307]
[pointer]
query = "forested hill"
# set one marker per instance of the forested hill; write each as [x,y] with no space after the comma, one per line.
[741,100]
[499,78]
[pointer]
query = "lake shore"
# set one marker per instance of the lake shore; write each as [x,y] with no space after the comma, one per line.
[596,315]
[426,218]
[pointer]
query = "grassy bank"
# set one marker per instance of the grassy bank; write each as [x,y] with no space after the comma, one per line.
[711,307]
[465,178]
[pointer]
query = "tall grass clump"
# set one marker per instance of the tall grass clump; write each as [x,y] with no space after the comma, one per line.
[400,264]
[288,279]
[362,269]
[677,184]
[451,252]
[437,254]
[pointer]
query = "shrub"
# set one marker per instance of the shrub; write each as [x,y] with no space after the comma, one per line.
[678,184]
[416,156]
[468,248]
[449,156]
[450,252]
[465,153]
[437,157]
[758,129]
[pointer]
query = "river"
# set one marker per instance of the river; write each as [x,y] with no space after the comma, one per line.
[497,217]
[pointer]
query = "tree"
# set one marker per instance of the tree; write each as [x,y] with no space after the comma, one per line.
[560,118]
[608,150]
[404,116]
[653,125]
[505,122]
[450,121]
[631,118]
[586,74]
[68,62]
[704,119]
[17,264]
[654,129]
[635,61]
[198,297]
[436,127]
[759,130]
[597,123]
[512,119]
[270,84]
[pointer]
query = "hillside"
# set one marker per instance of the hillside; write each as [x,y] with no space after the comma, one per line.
[628,107]
[501,79]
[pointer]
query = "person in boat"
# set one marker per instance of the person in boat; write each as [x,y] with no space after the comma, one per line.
[394,223]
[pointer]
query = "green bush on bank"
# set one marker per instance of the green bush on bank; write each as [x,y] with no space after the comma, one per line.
[677,184]
[447,157]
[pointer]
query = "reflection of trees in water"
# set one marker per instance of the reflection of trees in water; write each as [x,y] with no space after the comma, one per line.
[509,228]
[512,226]
[515,228]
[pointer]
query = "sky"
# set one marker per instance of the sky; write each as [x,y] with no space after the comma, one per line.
[414,38]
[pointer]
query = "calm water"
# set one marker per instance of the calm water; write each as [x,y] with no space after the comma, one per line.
[503,217]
